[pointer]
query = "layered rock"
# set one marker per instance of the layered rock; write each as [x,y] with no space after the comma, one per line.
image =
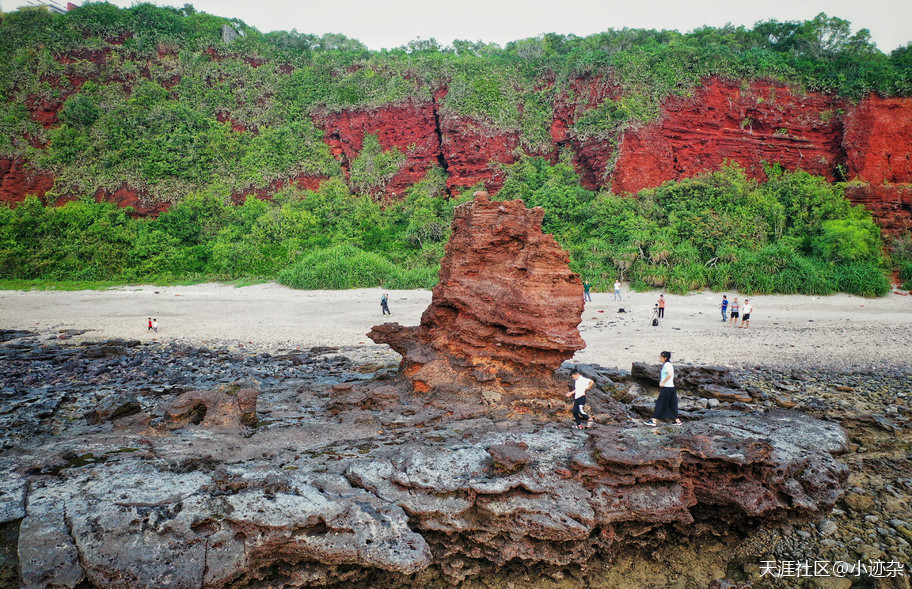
[359,482]
[753,125]
[449,509]
[503,316]
[139,525]
[563,502]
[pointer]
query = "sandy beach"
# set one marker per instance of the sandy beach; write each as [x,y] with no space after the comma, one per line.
[838,331]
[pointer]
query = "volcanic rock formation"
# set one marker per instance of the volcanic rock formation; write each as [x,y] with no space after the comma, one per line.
[355,482]
[504,315]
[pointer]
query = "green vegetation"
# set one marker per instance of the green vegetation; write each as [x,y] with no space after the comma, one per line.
[155,99]
[324,239]
[723,231]
[793,234]
[901,253]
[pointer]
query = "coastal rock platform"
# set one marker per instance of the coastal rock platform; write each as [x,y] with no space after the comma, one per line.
[349,477]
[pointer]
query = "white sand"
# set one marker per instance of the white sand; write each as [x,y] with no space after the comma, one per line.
[837,331]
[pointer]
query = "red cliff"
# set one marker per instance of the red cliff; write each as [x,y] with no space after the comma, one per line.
[878,145]
[751,124]
[725,121]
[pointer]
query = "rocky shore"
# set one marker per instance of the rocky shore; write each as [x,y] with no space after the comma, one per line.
[144,464]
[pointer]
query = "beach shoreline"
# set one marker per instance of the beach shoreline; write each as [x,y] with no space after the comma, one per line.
[836,331]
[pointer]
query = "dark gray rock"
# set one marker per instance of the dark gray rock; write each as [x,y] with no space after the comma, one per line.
[687,377]
[113,407]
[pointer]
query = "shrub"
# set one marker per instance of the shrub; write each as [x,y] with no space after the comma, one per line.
[345,266]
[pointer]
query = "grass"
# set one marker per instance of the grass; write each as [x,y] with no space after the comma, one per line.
[66,285]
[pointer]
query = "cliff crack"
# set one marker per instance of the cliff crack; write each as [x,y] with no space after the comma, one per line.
[441,158]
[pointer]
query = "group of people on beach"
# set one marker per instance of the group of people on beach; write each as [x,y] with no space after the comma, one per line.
[732,311]
[737,310]
[666,406]
[153,325]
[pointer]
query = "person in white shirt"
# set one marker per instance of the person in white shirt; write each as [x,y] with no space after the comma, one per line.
[746,315]
[666,406]
[617,291]
[580,386]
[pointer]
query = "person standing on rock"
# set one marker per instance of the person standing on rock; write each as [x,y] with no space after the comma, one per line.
[384,304]
[724,307]
[581,384]
[735,311]
[617,291]
[586,295]
[661,306]
[666,406]
[746,319]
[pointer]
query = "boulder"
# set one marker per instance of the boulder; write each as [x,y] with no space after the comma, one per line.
[714,391]
[687,377]
[113,407]
[228,408]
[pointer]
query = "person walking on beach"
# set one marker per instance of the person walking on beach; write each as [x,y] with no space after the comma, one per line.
[586,295]
[736,308]
[581,384]
[666,406]
[617,291]
[155,325]
[724,307]
[661,306]
[746,319]
[150,325]
[384,304]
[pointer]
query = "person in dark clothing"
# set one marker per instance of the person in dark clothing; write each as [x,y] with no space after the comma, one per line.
[384,304]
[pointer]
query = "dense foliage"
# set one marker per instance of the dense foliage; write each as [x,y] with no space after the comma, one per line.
[793,234]
[156,98]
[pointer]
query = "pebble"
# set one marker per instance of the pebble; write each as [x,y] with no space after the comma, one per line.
[827,527]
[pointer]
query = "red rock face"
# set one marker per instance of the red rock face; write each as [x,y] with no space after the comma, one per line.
[17,182]
[473,154]
[723,121]
[878,141]
[301,181]
[504,315]
[411,127]
[126,196]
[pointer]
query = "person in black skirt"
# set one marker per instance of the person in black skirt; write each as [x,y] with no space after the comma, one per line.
[666,406]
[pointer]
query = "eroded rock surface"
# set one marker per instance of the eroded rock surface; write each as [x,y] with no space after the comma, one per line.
[389,488]
[504,315]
